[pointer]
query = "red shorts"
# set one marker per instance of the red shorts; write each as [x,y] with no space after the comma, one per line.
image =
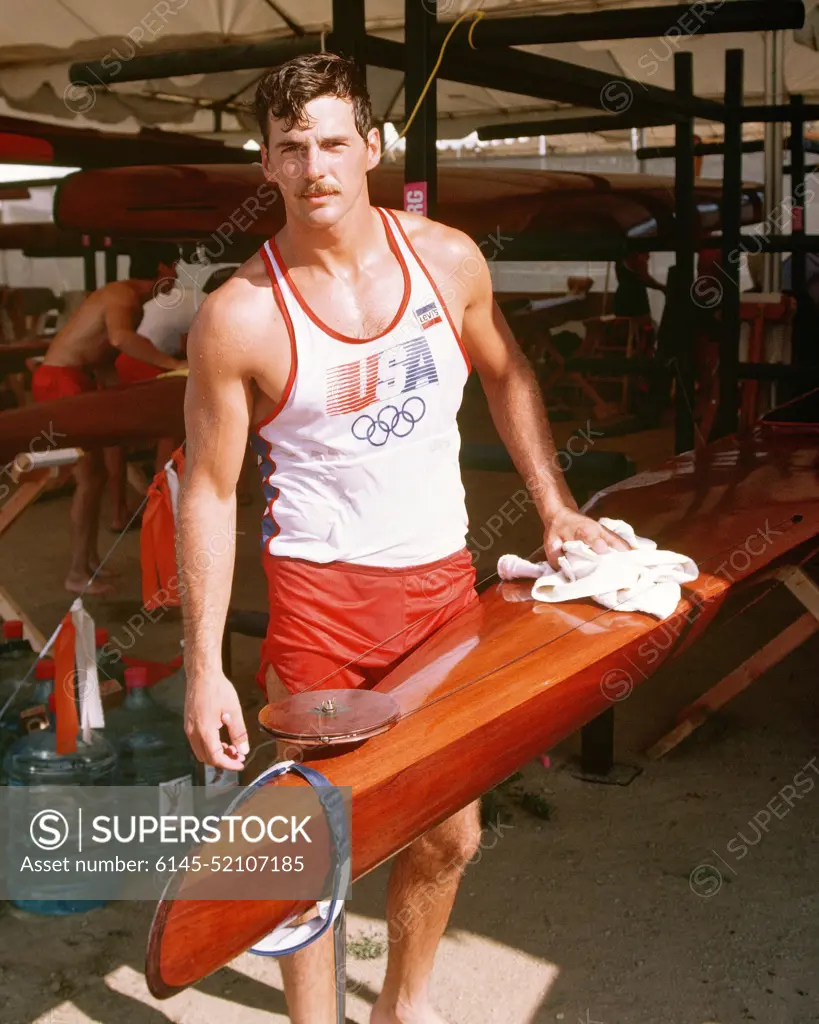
[48,383]
[343,626]
[132,371]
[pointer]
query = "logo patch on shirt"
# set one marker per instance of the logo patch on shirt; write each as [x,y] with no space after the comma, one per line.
[429,315]
[396,370]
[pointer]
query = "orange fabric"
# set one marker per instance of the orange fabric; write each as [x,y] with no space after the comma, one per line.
[157,542]
[48,383]
[68,724]
[132,371]
[346,626]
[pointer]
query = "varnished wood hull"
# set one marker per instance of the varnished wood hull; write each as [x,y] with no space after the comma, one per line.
[508,679]
[110,416]
[227,202]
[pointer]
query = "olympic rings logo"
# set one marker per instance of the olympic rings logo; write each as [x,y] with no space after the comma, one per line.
[390,420]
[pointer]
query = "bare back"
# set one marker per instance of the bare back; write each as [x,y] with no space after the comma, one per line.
[83,341]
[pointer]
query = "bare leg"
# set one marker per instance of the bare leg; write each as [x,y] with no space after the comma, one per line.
[165,447]
[118,489]
[421,892]
[85,516]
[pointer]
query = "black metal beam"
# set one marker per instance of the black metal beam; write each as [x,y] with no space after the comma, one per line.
[349,36]
[717,149]
[514,71]
[798,146]
[110,263]
[532,245]
[778,112]
[530,74]
[89,260]
[672,22]
[641,367]
[728,410]
[421,158]
[237,57]
[573,125]
[750,243]
[685,207]
[803,339]
[779,243]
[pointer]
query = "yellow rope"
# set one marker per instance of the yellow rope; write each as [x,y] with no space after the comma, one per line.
[476,17]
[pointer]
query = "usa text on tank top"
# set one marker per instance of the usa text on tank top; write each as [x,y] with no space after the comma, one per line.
[359,459]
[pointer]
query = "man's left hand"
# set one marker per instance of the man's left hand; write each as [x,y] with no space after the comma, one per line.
[568,524]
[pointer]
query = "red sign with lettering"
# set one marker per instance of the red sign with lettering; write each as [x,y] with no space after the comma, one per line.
[415,197]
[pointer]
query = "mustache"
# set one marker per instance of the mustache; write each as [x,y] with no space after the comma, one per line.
[316,192]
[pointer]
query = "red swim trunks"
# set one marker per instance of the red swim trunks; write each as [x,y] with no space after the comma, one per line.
[132,371]
[48,383]
[345,626]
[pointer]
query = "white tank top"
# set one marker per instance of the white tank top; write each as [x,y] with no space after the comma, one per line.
[359,459]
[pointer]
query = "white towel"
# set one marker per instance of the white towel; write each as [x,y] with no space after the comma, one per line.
[643,579]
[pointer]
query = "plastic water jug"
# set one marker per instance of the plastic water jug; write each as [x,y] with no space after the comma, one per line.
[150,741]
[33,761]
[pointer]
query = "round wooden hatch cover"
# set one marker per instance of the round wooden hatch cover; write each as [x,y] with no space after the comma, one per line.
[330,716]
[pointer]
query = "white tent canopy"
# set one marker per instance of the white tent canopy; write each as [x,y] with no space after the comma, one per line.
[39,40]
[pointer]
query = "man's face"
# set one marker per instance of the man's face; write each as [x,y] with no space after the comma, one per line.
[321,169]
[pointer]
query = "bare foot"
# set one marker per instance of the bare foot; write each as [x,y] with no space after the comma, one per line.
[77,584]
[382,1014]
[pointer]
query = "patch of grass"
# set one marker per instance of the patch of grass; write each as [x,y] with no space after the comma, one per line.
[366,947]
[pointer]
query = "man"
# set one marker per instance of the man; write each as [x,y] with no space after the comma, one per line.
[633,281]
[166,320]
[336,346]
[79,359]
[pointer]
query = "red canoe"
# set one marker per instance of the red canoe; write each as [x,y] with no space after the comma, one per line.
[229,202]
[117,415]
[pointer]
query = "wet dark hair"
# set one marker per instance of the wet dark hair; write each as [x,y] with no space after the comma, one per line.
[146,259]
[284,90]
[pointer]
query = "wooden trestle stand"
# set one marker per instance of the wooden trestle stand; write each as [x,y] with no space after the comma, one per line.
[32,472]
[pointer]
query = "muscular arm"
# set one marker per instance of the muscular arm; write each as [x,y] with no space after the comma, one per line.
[517,409]
[119,323]
[217,419]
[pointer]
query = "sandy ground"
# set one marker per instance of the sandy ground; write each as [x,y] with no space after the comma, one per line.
[628,905]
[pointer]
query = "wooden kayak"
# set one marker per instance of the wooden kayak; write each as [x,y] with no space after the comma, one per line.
[510,678]
[114,415]
[186,201]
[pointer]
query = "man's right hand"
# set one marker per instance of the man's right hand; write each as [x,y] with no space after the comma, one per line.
[211,704]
